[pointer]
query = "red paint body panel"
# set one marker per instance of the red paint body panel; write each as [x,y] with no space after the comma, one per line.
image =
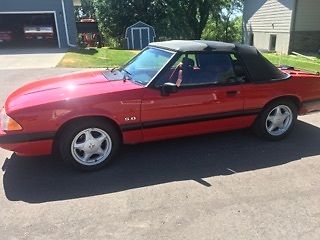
[301,85]
[37,148]
[45,106]
[199,128]
[188,103]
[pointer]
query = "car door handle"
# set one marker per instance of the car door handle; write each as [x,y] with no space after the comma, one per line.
[232,93]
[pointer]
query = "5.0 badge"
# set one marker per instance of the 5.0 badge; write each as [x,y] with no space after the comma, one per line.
[130,118]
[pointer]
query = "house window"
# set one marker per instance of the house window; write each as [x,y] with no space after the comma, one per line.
[251,39]
[273,42]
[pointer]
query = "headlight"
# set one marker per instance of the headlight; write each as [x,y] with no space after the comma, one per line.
[7,123]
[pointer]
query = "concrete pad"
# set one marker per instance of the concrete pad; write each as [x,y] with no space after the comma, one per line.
[10,80]
[30,58]
[217,186]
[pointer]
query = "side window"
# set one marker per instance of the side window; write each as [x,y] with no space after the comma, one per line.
[203,69]
[180,69]
[215,68]
[183,57]
[238,69]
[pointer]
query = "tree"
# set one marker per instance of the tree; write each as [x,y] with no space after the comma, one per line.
[172,19]
[227,25]
[86,10]
[196,14]
[231,7]
[113,16]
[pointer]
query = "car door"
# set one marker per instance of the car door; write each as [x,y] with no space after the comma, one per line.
[202,103]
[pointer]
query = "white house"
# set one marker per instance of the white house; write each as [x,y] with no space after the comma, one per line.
[282,25]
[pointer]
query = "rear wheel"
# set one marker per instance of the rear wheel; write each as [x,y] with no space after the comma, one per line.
[277,120]
[89,145]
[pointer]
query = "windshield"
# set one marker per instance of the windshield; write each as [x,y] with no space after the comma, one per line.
[146,65]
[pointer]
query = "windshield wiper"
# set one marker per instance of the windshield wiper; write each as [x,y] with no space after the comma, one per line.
[126,71]
[115,68]
[127,75]
[139,82]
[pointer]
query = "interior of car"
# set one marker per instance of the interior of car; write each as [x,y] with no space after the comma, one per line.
[203,69]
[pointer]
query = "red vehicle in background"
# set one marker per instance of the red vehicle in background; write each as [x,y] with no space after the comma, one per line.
[38,32]
[90,36]
[170,89]
[5,36]
[40,29]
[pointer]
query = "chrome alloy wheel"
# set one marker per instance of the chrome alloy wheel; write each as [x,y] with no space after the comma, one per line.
[279,120]
[91,146]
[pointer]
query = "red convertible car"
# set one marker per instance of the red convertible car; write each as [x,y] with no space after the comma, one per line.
[171,89]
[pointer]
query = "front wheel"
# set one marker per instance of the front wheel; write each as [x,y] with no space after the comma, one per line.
[89,145]
[277,120]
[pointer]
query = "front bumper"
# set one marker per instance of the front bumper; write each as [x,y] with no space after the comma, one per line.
[34,144]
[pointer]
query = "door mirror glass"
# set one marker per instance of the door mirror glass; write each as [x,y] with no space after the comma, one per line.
[168,88]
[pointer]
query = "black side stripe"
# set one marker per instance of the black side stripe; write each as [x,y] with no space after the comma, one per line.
[31,137]
[26,137]
[193,119]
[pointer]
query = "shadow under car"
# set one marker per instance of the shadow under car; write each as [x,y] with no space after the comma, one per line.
[44,179]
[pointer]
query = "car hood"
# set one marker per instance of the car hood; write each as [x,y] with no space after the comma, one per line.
[67,87]
[63,81]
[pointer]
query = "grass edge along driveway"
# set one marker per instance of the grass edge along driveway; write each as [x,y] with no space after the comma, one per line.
[106,57]
[96,58]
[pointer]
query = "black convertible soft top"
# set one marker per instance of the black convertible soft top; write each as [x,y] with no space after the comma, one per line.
[259,68]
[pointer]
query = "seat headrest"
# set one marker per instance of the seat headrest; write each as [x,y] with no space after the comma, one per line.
[238,69]
[187,62]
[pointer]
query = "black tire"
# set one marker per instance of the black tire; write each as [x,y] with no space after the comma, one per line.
[261,124]
[72,133]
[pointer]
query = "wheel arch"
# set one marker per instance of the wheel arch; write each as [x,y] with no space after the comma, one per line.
[82,118]
[259,124]
[292,98]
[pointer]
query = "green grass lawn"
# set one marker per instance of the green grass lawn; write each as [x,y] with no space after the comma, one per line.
[295,61]
[106,57]
[96,58]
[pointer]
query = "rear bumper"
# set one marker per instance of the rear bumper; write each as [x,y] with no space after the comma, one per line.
[34,144]
[310,106]
[3,39]
[38,36]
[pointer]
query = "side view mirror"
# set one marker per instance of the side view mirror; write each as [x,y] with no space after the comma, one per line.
[168,88]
